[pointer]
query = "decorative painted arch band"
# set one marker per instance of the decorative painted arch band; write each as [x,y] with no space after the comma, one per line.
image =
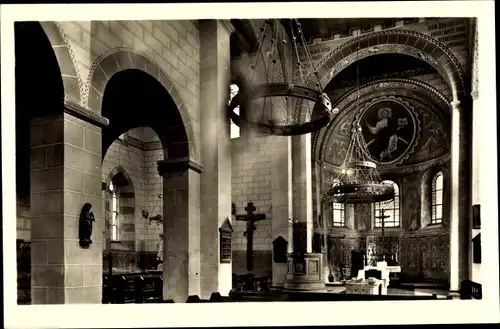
[118,59]
[398,41]
[419,89]
[66,59]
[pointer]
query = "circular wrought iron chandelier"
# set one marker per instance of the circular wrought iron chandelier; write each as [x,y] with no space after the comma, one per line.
[358,180]
[269,106]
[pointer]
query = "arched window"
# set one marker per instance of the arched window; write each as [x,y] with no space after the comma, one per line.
[338,214]
[389,209]
[115,228]
[437,198]
[235,130]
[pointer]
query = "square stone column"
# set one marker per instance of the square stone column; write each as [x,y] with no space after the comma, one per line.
[181,228]
[215,153]
[281,189]
[461,189]
[65,174]
[305,269]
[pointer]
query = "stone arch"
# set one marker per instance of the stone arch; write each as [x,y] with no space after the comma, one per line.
[405,42]
[66,59]
[122,58]
[407,86]
[124,177]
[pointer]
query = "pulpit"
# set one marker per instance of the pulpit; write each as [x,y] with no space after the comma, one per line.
[305,272]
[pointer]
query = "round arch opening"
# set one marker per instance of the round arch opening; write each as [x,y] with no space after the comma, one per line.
[132,99]
[39,91]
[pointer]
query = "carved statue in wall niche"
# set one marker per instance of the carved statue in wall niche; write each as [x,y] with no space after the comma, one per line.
[85,225]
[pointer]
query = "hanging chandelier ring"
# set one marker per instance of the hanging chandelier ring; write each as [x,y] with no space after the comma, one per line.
[359,193]
[268,90]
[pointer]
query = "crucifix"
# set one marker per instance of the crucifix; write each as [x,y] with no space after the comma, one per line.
[383,216]
[250,218]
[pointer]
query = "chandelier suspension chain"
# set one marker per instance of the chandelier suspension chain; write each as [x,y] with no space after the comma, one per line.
[257,50]
[280,114]
[299,102]
[308,54]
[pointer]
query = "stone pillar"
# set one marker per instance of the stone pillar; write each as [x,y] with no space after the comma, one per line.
[290,194]
[460,196]
[65,174]
[477,131]
[280,190]
[215,153]
[302,184]
[181,228]
[305,268]
[475,270]
[465,189]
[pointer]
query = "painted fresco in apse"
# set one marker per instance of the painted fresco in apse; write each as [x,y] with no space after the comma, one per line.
[389,129]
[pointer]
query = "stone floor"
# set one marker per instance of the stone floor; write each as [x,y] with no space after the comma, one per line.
[411,290]
[417,292]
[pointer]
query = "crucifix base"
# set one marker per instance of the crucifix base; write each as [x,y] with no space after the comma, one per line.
[305,273]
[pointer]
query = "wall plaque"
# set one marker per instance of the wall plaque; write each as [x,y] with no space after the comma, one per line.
[476,216]
[476,249]
[226,232]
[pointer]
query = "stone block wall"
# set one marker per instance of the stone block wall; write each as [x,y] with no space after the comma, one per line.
[139,160]
[131,160]
[259,166]
[174,45]
[23,220]
[148,237]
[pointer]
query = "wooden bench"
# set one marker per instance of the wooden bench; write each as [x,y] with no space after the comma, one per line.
[132,288]
[471,290]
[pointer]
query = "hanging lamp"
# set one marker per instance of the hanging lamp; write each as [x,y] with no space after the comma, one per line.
[285,105]
[358,180]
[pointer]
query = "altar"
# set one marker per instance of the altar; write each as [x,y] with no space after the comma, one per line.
[365,287]
[383,271]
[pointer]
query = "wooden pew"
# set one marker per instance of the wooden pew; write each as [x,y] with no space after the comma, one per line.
[149,288]
[133,288]
[471,290]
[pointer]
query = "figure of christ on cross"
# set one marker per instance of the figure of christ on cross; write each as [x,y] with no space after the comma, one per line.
[250,218]
[382,217]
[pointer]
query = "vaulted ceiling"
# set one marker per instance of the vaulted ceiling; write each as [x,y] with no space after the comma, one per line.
[327,27]
[244,38]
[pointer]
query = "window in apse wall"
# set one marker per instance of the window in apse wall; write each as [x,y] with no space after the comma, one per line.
[391,209]
[235,130]
[114,213]
[338,214]
[437,198]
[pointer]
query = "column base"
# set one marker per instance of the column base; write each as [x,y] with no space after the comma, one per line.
[305,274]
[453,294]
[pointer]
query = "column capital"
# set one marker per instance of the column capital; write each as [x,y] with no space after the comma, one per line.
[455,104]
[85,114]
[178,164]
[475,95]
[228,25]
